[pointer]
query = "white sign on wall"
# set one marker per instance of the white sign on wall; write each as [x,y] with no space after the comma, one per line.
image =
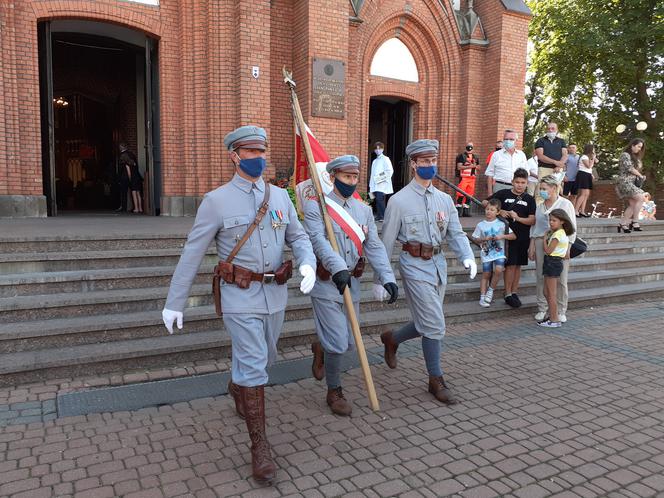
[146,2]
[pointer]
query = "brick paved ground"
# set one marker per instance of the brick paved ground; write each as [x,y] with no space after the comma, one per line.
[577,411]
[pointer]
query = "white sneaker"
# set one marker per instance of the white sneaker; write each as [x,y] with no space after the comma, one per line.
[483,302]
[540,315]
[562,318]
[549,324]
[489,295]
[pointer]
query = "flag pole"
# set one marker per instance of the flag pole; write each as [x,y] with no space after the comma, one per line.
[348,300]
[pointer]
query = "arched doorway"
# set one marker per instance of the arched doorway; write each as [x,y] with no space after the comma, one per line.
[99,88]
[391,122]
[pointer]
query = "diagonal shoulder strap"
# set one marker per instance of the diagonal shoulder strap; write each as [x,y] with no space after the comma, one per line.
[259,217]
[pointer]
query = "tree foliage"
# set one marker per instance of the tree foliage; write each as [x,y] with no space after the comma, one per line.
[595,64]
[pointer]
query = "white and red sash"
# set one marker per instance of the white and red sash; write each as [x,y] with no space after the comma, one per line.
[346,222]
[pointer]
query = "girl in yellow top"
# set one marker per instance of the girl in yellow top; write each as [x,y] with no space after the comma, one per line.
[556,249]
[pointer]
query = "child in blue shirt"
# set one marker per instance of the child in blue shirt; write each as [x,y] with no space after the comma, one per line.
[491,234]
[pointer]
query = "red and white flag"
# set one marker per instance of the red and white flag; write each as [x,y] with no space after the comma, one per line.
[303,186]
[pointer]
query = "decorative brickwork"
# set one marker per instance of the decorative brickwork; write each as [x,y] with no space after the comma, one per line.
[207,49]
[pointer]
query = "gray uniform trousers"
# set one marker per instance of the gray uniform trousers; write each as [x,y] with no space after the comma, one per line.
[332,326]
[253,316]
[416,214]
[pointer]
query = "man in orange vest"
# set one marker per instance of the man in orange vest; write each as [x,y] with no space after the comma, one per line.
[466,166]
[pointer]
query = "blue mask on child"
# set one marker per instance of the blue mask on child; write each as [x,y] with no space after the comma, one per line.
[427,172]
[253,167]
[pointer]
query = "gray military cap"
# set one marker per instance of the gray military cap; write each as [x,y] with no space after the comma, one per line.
[422,147]
[252,137]
[343,163]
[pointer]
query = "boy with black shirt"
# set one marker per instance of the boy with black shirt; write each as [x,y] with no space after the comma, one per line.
[518,208]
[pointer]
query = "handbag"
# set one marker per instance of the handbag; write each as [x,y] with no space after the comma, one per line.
[579,246]
[638,181]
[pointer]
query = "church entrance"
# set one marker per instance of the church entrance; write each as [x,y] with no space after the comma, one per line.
[390,122]
[97,86]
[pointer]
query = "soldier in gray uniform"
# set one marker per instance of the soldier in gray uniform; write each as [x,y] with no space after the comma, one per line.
[254,307]
[337,270]
[420,217]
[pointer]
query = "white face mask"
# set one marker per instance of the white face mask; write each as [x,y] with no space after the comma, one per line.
[379,152]
[551,134]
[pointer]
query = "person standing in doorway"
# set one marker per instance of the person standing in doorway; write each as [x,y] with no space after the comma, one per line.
[466,167]
[422,218]
[380,181]
[125,162]
[130,164]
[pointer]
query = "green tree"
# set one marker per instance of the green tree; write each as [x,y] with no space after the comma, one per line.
[594,65]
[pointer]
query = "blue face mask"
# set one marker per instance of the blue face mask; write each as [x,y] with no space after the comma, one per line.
[544,194]
[344,189]
[253,167]
[508,144]
[427,172]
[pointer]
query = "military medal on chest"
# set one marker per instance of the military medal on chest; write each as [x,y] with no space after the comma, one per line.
[441,219]
[277,218]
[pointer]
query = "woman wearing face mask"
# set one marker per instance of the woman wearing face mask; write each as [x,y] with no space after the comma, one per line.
[549,191]
[629,175]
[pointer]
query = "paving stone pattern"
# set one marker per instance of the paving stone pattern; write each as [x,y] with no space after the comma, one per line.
[577,411]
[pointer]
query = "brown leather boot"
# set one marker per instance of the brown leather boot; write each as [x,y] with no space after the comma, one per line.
[234,390]
[337,403]
[262,466]
[318,365]
[390,349]
[439,389]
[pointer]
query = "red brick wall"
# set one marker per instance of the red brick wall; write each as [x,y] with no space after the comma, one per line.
[207,49]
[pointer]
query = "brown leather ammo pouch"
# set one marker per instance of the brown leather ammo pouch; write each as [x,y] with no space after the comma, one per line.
[426,251]
[359,267]
[242,277]
[284,272]
[412,248]
[321,272]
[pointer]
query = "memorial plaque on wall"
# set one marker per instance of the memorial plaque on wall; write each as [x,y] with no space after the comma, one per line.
[328,89]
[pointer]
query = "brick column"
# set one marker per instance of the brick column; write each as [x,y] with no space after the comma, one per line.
[21,183]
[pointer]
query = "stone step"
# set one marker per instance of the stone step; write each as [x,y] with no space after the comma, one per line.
[62,261]
[118,356]
[73,242]
[61,323]
[130,241]
[131,300]
[40,283]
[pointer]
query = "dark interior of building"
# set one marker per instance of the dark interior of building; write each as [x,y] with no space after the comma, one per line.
[94,99]
[389,122]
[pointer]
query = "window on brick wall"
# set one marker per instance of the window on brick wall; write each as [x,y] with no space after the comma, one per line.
[394,60]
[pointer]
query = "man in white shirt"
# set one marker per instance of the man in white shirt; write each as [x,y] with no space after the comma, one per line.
[380,181]
[504,163]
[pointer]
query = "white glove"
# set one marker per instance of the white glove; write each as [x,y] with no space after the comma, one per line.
[308,278]
[380,293]
[169,316]
[470,263]
[371,196]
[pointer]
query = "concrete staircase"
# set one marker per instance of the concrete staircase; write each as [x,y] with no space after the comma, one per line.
[73,305]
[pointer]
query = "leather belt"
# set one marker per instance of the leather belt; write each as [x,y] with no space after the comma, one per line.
[420,250]
[323,274]
[503,183]
[266,278]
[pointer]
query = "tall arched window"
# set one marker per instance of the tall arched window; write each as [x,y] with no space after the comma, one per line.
[394,60]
